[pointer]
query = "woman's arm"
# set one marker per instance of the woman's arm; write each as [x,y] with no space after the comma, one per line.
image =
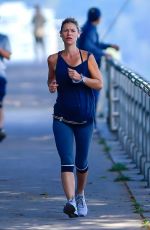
[4,53]
[51,82]
[96,81]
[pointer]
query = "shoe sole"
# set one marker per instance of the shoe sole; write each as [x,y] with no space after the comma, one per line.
[70,210]
[82,215]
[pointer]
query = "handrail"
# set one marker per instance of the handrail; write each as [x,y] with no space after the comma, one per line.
[137,79]
[129,112]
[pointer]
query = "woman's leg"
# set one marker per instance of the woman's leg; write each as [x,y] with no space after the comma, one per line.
[64,139]
[81,182]
[83,136]
[2,95]
[68,183]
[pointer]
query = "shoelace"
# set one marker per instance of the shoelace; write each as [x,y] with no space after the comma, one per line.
[80,202]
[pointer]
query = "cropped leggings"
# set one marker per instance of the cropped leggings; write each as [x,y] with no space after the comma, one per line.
[65,135]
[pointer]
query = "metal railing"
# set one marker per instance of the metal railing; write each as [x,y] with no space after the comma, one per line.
[129,112]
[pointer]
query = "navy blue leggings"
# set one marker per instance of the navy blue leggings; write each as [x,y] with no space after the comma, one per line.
[64,137]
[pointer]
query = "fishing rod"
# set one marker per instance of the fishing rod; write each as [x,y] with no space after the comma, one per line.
[122,8]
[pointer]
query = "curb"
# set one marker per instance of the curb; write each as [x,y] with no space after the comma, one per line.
[134,182]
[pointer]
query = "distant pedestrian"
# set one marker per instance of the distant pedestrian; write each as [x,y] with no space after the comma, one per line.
[89,40]
[5,53]
[73,73]
[38,22]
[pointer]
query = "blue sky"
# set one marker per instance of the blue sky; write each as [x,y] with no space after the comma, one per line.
[131,31]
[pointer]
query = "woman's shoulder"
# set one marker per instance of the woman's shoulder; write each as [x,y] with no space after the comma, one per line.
[85,54]
[52,58]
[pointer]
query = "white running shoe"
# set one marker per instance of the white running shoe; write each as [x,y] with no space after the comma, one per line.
[71,209]
[81,205]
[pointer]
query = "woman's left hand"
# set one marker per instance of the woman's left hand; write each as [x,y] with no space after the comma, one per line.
[74,75]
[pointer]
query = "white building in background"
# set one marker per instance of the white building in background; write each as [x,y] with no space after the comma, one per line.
[15,21]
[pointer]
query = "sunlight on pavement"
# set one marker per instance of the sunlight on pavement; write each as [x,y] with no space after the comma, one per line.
[41,138]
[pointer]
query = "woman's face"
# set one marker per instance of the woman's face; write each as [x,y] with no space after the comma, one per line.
[69,33]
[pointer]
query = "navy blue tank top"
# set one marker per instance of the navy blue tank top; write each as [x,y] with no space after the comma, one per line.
[75,101]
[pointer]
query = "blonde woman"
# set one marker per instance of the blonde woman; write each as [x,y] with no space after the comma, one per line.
[73,73]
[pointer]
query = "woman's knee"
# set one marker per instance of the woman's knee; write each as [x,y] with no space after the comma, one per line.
[82,169]
[67,167]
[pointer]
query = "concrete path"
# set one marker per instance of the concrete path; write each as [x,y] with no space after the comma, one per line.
[31,196]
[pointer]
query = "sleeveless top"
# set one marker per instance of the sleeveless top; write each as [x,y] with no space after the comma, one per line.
[75,101]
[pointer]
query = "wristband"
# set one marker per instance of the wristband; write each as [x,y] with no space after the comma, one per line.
[76,81]
[83,78]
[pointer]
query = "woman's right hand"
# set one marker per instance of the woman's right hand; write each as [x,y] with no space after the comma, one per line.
[53,86]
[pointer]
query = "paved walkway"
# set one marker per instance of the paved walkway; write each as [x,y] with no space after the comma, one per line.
[31,196]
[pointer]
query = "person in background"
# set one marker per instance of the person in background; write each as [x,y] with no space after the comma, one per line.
[73,73]
[38,22]
[5,53]
[89,40]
